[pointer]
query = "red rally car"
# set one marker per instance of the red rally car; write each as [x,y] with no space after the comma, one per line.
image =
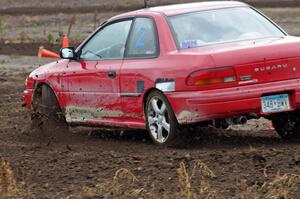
[163,68]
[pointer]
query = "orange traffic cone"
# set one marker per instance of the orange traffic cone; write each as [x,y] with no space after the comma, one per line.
[65,42]
[47,53]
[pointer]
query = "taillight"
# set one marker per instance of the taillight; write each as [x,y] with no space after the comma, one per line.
[211,76]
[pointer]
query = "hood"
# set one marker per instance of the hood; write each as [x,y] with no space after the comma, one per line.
[44,71]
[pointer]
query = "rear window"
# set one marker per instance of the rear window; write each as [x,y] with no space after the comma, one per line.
[219,26]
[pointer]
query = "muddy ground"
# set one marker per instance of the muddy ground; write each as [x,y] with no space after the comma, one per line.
[63,165]
[57,168]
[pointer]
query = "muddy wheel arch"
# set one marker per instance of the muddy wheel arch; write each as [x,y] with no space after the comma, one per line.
[149,91]
[45,108]
[38,90]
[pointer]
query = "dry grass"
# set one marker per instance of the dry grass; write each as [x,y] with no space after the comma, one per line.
[193,183]
[123,185]
[8,187]
[2,27]
[187,186]
[280,188]
[23,36]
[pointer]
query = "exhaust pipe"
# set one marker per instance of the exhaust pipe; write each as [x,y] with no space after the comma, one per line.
[240,120]
[221,124]
[237,120]
[230,121]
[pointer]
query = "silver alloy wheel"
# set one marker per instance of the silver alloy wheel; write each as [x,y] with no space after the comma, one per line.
[158,119]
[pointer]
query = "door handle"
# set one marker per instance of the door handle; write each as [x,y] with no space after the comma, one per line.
[112,74]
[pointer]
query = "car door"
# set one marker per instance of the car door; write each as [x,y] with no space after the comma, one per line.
[142,51]
[93,79]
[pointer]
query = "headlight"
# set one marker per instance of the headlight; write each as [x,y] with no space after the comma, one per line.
[29,83]
[26,80]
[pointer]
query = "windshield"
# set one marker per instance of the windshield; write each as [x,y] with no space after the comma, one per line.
[223,25]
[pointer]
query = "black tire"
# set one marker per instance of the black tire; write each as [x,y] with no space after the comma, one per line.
[171,137]
[46,113]
[287,125]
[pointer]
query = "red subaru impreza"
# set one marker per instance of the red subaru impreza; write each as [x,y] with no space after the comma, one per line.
[162,68]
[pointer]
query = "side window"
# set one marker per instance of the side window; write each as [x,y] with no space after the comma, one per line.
[108,43]
[143,39]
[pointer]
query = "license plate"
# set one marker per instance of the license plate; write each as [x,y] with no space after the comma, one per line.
[275,103]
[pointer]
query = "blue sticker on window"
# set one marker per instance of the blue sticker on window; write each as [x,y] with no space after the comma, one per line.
[139,44]
[142,35]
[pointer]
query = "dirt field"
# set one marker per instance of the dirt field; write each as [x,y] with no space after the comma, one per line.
[68,163]
[33,22]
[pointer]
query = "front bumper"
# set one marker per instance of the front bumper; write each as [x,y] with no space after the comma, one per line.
[197,106]
[27,97]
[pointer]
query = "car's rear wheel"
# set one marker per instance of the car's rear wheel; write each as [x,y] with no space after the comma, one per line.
[287,125]
[46,113]
[161,121]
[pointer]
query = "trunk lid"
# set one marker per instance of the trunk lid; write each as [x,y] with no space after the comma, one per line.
[262,61]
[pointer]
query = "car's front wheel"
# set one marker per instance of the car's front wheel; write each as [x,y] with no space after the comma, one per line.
[46,113]
[287,125]
[161,121]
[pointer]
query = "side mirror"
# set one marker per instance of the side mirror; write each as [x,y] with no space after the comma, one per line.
[68,53]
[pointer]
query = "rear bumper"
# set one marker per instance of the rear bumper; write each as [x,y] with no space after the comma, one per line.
[196,106]
[27,97]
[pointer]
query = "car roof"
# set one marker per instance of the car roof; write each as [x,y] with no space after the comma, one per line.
[177,9]
[191,7]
